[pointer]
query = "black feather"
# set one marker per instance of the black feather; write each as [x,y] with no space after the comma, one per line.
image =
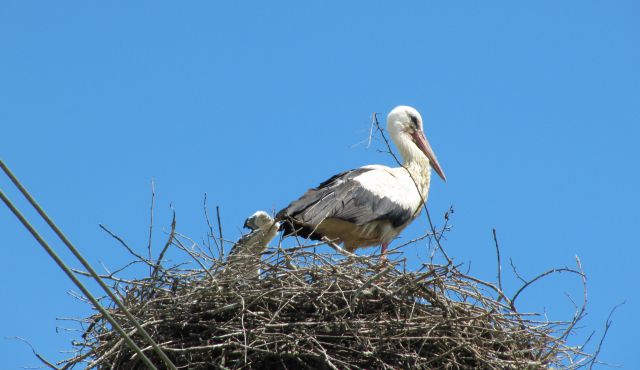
[342,198]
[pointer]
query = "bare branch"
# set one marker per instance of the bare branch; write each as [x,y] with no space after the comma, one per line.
[126,246]
[220,230]
[39,356]
[607,325]
[153,201]
[156,268]
[495,240]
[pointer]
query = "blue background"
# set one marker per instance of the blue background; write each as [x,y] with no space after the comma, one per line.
[532,107]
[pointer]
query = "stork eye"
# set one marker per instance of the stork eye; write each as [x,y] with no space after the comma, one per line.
[414,121]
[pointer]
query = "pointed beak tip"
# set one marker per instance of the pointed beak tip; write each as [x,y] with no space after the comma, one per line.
[421,141]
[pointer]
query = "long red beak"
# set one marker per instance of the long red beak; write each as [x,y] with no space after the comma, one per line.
[422,143]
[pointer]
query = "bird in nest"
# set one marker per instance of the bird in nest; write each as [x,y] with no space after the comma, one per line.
[245,254]
[369,205]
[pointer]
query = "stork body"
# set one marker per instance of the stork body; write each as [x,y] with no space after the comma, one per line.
[370,205]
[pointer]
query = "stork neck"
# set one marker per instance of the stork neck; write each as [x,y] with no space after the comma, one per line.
[416,162]
[420,171]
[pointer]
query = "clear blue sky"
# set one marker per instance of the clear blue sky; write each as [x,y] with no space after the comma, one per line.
[533,108]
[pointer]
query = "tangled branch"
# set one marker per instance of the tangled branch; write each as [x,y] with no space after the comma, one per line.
[308,309]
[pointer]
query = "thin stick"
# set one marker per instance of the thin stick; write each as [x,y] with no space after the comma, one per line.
[607,325]
[39,356]
[220,230]
[153,201]
[166,246]
[211,234]
[495,240]
[546,273]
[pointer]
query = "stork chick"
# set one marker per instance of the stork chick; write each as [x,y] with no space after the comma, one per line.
[246,253]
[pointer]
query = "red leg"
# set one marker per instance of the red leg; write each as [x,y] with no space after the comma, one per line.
[383,251]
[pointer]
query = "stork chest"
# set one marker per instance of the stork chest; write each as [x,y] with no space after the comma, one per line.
[401,186]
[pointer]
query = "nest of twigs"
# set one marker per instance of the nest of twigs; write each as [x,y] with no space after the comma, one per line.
[324,311]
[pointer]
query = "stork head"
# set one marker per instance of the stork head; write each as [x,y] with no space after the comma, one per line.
[405,127]
[258,220]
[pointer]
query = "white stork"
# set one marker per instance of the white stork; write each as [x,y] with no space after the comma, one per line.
[370,205]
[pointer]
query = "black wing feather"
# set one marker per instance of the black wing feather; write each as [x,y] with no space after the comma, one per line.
[343,198]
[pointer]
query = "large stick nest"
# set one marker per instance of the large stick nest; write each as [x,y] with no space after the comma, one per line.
[324,311]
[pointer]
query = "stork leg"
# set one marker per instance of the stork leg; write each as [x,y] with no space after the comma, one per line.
[383,251]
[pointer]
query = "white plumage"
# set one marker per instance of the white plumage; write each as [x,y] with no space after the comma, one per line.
[372,204]
[246,253]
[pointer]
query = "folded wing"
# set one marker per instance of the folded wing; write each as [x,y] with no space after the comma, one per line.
[357,196]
